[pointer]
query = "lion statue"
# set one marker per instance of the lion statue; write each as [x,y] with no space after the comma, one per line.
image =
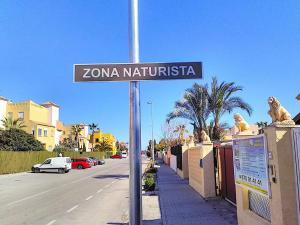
[278,113]
[298,97]
[241,123]
[205,137]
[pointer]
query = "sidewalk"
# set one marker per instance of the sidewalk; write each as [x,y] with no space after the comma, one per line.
[181,205]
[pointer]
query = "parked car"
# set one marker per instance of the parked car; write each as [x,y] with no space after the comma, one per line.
[101,161]
[116,156]
[81,163]
[98,161]
[94,160]
[55,164]
[124,155]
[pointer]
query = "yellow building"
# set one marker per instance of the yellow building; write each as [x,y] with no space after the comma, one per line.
[99,137]
[84,136]
[40,120]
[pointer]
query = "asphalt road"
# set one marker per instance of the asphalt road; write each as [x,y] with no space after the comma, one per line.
[94,196]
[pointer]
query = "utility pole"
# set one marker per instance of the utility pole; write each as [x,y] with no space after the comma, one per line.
[152,138]
[135,204]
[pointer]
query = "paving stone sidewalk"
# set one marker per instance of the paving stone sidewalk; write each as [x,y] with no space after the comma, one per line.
[181,205]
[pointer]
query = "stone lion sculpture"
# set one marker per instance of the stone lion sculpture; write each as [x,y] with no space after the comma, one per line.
[298,97]
[241,123]
[205,137]
[278,113]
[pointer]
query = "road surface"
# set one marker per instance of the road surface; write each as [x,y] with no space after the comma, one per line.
[98,195]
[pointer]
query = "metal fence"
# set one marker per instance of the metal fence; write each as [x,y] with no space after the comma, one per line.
[260,205]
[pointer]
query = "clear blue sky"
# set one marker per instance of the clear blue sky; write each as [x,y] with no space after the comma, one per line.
[253,43]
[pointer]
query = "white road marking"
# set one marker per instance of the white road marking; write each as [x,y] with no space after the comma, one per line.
[74,207]
[114,182]
[51,222]
[28,197]
[88,198]
[44,192]
[100,190]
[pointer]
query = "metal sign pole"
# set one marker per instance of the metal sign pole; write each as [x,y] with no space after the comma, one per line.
[135,204]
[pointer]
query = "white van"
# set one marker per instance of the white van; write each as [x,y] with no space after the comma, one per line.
[56,164]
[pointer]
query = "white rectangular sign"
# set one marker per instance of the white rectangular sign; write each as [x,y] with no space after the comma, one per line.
[251,163]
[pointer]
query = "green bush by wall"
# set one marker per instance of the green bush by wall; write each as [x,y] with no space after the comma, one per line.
[14,162]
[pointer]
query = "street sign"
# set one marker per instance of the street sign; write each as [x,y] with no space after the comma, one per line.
[137,71]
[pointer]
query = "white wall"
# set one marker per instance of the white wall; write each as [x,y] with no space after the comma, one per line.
[3,104]
[86,130]
[53,115]
[57,136]
[173,162]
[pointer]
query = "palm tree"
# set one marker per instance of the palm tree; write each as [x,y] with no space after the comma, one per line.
[180,129]
[221,101]
[103,146]
[93,127]
[76,130]
[261,125]
[10,123]
[193,107]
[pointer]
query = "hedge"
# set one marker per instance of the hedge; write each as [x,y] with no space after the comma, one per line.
[14,162]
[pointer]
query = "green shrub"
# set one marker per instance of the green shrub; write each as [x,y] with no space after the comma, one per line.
[151,170]
[19,140]
[149,182]
[16,161]
[61,148]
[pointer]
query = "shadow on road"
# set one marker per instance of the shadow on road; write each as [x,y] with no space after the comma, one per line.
[116,176]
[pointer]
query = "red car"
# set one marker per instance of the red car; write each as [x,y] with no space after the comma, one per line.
[116,157]
[81,163]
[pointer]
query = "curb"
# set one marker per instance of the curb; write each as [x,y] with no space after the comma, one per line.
[14,174]
[163,216]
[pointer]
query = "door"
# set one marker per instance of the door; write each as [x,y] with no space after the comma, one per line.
[227,173]
[46,166]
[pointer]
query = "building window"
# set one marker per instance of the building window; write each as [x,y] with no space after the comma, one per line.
[10,115]
[21,115]
[33,131]
[40,132]
[97,140]
[45,133]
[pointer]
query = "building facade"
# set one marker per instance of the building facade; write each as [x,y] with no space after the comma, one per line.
[84,137]
[109,138]
[40,119]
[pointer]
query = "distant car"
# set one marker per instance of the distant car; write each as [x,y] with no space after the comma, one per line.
[55,164]
[101,161]
[81,163]
[98,161]
[94,160]
[124,155]
[116,156]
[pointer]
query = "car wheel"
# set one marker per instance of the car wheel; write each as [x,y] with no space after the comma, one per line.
[61,171]
[80,167]
[36,170]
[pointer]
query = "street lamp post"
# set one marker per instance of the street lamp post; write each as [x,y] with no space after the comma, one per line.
[152,138]
[135,184]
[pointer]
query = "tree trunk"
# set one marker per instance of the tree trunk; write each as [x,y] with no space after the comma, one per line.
[216,129]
